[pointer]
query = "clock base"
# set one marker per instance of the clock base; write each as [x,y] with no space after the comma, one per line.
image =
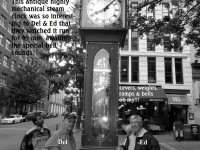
[103,36]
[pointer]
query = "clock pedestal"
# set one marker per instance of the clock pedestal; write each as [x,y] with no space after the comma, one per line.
[102,38]
[107,36]
[101,97]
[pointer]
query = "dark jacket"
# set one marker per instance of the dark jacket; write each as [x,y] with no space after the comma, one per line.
[35,138]
[145,142]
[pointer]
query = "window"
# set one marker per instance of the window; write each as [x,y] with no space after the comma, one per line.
[151,70]
[0,58]
[165,11]
[2,21]
[124,69]
[134,41]
[20,66]
[30,61]
[150,12]
[20,56]
[150,42]
[168,70]
[177,43]
[166,43]
[25,58]
[3,78]
[133,6]
[135,69]
[9,28]
[179,71]
[4,4]
[13,65]
[11,12]
[6,61]
[8,44]
[125,43]
[1,39]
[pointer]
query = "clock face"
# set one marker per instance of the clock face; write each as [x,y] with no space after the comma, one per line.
[103,12]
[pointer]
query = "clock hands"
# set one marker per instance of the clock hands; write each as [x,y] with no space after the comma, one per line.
[103,9]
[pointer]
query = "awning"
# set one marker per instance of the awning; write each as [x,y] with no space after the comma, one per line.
[177,99]
[141,93]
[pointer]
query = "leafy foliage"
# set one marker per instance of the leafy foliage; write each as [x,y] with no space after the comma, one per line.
[183,13]
[28,84]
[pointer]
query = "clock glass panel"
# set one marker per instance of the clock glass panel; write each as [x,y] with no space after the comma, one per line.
[103,12]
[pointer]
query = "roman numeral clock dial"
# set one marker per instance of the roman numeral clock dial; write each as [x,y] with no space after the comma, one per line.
[103,12]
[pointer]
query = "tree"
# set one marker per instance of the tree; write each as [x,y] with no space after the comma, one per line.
[28,84]
[73,55]
[185,14]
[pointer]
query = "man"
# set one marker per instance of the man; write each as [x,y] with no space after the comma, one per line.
[140,139]
[129,130]
[63,138]
[37,136]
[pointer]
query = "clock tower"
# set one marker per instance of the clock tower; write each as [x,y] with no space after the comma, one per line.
[103,31]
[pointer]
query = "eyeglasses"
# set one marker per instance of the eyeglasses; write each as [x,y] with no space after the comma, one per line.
[134,123]
[128,132]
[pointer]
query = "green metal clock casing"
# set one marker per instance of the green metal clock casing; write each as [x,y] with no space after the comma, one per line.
[103,14]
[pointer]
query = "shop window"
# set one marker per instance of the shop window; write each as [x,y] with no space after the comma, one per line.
[6,61]
[3,78]
[125,43]
[166,43]
[150,42]
[179,70]
[168,70]
[151,70]
[134,41]
[134,69]
[124,69]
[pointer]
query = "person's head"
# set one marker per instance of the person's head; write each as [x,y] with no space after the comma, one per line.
[129,130]
[136,123]
[38,120]
[69,120]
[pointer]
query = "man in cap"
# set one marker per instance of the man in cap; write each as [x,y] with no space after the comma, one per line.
[63,138]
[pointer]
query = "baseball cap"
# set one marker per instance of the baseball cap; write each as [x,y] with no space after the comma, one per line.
[69,115]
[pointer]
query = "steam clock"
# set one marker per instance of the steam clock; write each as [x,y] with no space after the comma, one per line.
[103,30]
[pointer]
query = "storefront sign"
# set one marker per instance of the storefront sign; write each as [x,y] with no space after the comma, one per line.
[194,129]
[139,93]
[177,99]
[191,116]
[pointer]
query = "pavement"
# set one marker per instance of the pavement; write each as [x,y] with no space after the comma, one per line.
[166,141]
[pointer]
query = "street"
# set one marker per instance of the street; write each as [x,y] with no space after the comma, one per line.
[11,134]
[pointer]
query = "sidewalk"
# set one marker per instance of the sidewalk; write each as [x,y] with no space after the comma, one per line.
[166,142]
